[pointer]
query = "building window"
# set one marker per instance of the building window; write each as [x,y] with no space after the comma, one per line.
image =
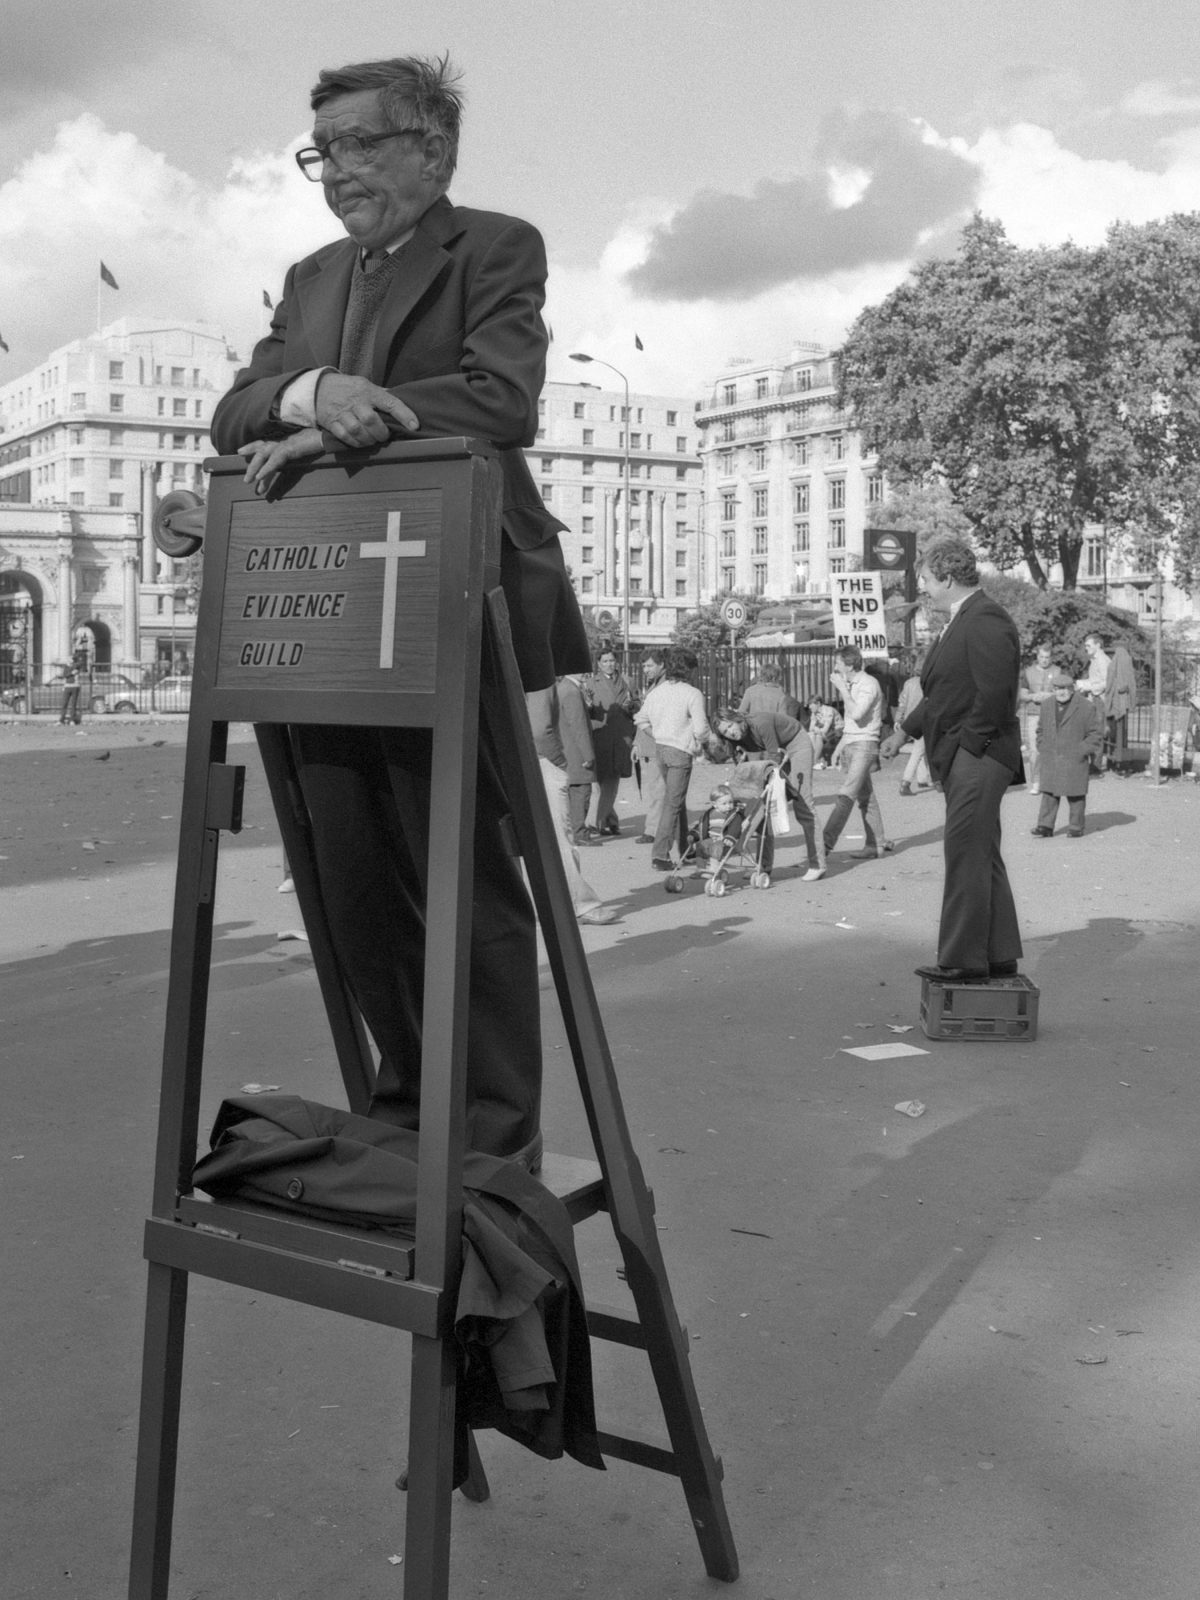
[680,588]
[760,458]
[837,533]
[729,396]
[804,379]
[77,466]
[875,488]
[681,502]
[177,375]
[681,444]
[1093,552]
[837,494]
[585,585]
[197,409]
[587,467]
[681,558]
[837,446]
[728,435]
[760,541]
[586,554]
[179,441]
[800,536]
[116,468]
[800,499]
[589,436]
[116,402]
[729,543]
[635,586]
[759,570]
[802,452]
[728,507]
[635,441]
[116,371]
[635,558]
[547,492]
[116,438]
[77,497]
[76,435]
[588,525]
[681,530]
[762,388]
[727,579]
[680,474]
[116,501]
[162,406]
[547,463]
[579,411]
[635,469]
[837,563]
[672,418]
[725,463]
[760,502]
[587,495]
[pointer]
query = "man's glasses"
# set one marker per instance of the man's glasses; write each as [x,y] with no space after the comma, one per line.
[347,152]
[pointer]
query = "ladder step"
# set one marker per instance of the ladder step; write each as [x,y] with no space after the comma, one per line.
[639,1451]
[619,1327]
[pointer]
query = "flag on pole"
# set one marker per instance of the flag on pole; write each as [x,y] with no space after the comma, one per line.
[637,343]
[3,346]
[267,301]
[107,277]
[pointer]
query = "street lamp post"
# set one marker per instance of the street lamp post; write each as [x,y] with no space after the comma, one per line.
[579,355]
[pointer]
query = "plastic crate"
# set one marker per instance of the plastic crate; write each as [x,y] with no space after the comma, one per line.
[1005,1009]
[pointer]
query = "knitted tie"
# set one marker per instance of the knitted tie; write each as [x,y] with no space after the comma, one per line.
[367,292]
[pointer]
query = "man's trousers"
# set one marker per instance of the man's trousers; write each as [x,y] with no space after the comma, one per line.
[979,920]
[371,854]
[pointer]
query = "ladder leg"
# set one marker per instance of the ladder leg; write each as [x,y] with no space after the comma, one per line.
[430,1470]
[158,1433]
[627,1197]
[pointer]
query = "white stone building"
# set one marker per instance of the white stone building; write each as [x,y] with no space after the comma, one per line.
[90,439]
[578,463]
[787,488]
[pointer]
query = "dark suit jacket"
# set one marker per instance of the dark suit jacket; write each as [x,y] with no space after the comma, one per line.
[461,340]
[970,681]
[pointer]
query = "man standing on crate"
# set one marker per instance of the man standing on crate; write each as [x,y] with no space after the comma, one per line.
[424,322]
[968,719]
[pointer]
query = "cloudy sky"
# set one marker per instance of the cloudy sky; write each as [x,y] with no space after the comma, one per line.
[719,179]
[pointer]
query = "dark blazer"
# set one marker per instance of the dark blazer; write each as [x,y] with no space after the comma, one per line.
[969,683]
[461,340]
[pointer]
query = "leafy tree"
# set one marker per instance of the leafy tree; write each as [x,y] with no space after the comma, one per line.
[927,508]
[1063,619]
[986,373]
[1150,276]
[706,628]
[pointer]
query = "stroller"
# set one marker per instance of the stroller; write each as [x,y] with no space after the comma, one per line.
[733,834]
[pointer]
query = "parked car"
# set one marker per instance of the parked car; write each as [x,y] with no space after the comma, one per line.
[172,694]
[98,692]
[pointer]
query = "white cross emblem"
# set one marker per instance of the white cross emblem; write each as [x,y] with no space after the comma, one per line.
[392,549]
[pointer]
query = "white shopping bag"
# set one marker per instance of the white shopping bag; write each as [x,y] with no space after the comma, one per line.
[778,810]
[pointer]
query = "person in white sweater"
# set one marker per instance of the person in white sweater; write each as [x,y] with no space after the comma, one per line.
[673,713]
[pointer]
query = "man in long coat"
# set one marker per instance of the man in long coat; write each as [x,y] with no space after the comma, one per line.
[1070,737]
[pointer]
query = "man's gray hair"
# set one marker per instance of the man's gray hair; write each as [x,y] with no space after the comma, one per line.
[949,556]
[414,91]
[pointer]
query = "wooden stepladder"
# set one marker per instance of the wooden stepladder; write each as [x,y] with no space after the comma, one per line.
[368,594]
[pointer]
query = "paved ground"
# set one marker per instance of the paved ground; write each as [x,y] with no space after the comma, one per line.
[947,1356]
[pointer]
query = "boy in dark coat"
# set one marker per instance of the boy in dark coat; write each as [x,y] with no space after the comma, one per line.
[1070,736]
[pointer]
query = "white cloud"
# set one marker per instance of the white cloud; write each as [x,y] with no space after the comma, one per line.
[206,252]
[1044,193]
[177,248]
